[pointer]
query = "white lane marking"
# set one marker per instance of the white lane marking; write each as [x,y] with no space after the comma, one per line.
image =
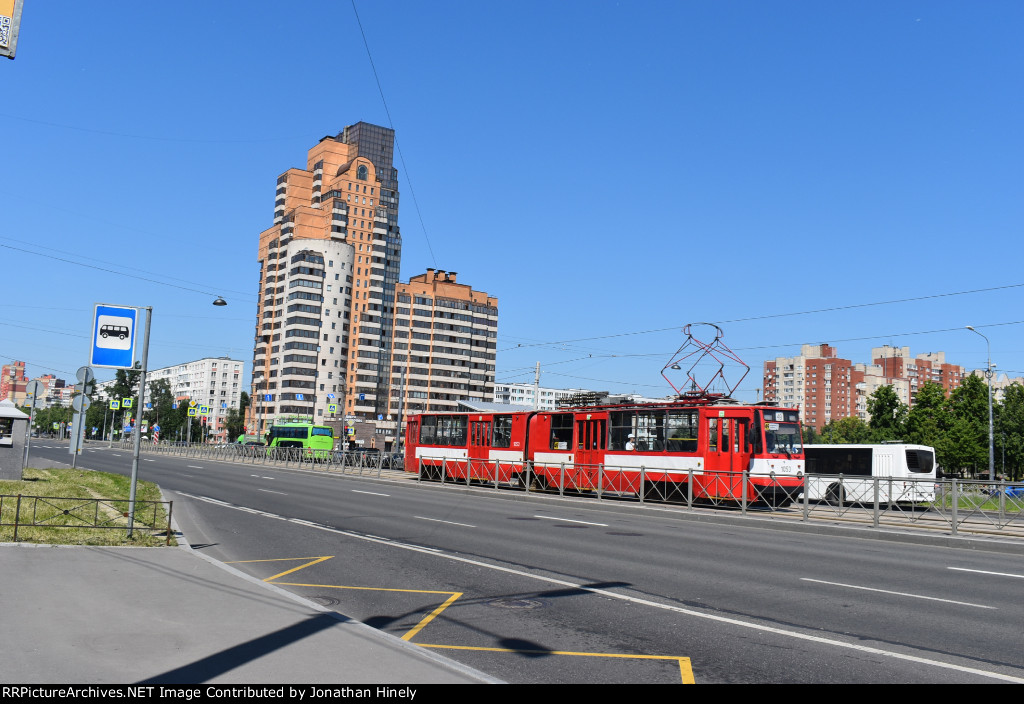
[997,574]
[356,491]
[569,520]
[115,454]
[886,591]
[147,460]
[438,520]
[273,492]
[193,466]
[267,477]
[631,599]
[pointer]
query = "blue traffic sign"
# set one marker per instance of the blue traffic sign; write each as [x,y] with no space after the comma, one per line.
[113,337]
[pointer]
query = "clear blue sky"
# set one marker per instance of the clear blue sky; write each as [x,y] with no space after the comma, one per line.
[603,168]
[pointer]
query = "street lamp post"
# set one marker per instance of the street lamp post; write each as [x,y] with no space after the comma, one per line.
[991,434]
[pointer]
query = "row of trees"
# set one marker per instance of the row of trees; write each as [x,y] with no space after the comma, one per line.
[173,422]
[956,426]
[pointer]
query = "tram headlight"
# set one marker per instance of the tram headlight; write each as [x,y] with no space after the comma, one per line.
[799,475]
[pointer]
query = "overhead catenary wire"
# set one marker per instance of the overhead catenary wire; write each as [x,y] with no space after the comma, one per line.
[770,316]
[391,125]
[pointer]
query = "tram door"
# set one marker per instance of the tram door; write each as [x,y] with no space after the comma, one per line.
[479,449]
[591,443]
[728,454]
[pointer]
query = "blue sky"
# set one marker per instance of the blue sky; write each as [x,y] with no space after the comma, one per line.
[606,169]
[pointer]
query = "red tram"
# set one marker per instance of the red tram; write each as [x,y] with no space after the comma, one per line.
[696,449]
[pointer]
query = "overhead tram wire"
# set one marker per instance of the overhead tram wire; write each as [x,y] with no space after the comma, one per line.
[190,289]
[149,137]
[770,316]
[391,125]
[80,257]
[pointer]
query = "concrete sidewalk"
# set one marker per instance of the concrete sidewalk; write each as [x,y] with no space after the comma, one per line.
[108,615]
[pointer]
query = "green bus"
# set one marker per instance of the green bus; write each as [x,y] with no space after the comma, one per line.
[319,439]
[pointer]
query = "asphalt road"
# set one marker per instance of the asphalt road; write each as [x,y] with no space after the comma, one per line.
[541,589]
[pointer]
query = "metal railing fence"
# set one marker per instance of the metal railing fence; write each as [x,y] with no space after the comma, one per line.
[23,511]
[949,505]
[357,463]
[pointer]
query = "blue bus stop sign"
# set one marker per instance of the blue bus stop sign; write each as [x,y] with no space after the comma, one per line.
[113,337]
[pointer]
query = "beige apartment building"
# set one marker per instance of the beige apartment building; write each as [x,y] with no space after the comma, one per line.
[444,350]
[827,387]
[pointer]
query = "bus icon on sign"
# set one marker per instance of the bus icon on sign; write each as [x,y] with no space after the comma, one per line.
[115,333]
[118,331]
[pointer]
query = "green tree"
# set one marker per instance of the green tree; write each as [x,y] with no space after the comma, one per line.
[846,430]
[1010,431]
[888,414]
[810,435]
[929,418]
[965,446]
[235,419]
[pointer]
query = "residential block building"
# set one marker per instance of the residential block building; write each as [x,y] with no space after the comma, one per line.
[216,382]
[444,349]
[827,387]
[13,382]
[328,270]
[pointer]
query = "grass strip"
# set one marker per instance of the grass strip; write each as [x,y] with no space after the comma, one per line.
[81,507]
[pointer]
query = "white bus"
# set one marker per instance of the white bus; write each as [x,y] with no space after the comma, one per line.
[848,473]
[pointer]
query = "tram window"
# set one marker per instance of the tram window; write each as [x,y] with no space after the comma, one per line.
[428,429]
[451,431]
[561,431]
[743,434]
[681,427]
[502,431]
[712,435]
[622,426]
[650,430]
[726,447]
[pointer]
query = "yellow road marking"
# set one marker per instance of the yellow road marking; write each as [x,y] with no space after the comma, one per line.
[312,561]
[685,668]
[409,636]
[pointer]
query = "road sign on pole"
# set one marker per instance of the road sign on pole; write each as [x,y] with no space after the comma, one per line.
[113,337]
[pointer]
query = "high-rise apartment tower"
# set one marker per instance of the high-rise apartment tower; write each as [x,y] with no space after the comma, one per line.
[328,270]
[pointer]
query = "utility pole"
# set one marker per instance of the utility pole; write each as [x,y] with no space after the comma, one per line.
[137,434]
[536,388]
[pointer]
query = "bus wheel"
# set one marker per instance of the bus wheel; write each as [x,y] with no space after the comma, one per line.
[835,495]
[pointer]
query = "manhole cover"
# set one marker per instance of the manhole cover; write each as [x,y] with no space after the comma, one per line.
[516,603]
[325,600]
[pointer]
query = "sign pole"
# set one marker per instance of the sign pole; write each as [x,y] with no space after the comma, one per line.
[137,434]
